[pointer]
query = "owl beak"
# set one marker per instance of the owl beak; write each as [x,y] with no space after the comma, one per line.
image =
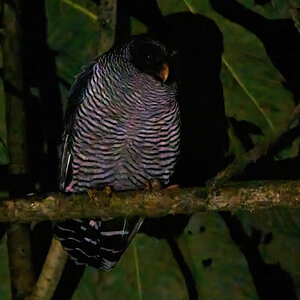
[164,72]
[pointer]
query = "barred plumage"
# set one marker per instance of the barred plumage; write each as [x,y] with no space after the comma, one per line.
[122,130]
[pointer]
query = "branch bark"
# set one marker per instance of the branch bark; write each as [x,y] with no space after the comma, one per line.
[51,272]
[21,271]
[13,88]
[260,149]
[19,252]
[235,196]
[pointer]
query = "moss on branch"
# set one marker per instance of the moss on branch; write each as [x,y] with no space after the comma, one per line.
[235,196]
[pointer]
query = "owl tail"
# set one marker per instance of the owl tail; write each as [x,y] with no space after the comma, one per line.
[97,243]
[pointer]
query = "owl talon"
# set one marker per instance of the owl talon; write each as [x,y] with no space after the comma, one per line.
[152,185]
[93,197]
[108,191]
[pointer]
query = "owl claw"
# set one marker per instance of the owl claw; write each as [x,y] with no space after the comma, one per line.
[108,191]
[93,198]
[152,185]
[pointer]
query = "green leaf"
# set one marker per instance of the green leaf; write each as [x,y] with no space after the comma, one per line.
[252,86]
[75,34]
[227,277]
[283,248]
[137,27]
[235,145]
[170,7]
[82,9]
[158,273]
[137,269]
[289,152]
[275,9]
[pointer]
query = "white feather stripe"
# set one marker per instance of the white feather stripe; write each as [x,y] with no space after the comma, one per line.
[65,229]
[78,249]
[90,241]
[107,264]
[111,250]
[117,232]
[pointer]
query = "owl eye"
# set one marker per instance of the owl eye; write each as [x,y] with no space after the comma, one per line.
[150,56]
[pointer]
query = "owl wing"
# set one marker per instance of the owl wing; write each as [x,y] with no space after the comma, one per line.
[76,97]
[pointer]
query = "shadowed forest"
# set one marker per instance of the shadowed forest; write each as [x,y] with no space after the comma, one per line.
[239,90]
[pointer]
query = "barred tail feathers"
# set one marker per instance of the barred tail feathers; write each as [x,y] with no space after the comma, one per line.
[97,243]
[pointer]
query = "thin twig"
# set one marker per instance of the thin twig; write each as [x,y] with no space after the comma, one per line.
[259,150]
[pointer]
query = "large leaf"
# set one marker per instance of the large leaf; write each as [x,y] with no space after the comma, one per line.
[159,275]
[75,34]
[253,88]
[219,268]
[282,225]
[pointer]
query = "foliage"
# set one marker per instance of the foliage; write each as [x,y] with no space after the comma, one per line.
[253,92]
[253,89]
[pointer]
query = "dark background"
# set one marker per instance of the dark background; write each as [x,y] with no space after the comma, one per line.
[246,256]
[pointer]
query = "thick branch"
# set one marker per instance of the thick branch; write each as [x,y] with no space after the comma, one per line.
[13,86]
[19,252]
[51,272]
[236,196]
[21,272]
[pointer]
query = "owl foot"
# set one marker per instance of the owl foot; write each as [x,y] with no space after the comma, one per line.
[94,196]
[152,185]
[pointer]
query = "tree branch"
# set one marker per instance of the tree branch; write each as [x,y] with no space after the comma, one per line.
[18,244]
[235,196]
[51,272]
[21,271]
[259,150]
